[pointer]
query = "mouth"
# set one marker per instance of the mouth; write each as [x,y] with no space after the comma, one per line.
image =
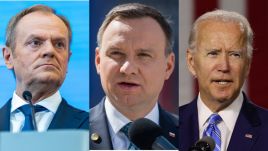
[47,66]
[128,85]
[222,82]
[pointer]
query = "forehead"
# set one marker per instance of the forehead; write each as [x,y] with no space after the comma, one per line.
[143,30]
[41,22]
[220,32]
[213,23]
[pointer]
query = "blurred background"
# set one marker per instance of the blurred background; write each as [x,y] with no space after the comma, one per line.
[75,89]
[257,13]
[99,8]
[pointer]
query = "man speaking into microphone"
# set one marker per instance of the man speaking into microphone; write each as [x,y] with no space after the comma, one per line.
[134,57]
[38,51]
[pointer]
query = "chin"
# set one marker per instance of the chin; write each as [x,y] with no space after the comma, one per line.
[48,79]
[129,101]
[223,98]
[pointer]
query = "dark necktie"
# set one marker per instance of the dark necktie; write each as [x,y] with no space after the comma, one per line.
[125,131]
[213,131]
[26,110]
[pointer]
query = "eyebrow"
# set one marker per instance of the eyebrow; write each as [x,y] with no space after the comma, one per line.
[110,48]
[144,50]
[60,39]
[213,49]
[33,36]
[228,51]
[41,37]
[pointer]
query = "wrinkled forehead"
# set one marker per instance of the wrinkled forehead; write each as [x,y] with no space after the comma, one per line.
[219,30]
[39,18]
[212,23]
[41,25]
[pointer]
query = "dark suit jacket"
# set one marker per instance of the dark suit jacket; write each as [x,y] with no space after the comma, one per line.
[249,134]
[66,117]
[99,124]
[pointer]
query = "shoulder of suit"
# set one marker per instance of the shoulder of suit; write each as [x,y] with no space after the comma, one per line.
[168,116]
[171,115]
[97,112]
[260,110]
[75,110]
[6,105]
[186,107]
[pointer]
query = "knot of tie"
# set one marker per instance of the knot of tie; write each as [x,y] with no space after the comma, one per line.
[26,109]
[213,131]
[214,119]
[125,129]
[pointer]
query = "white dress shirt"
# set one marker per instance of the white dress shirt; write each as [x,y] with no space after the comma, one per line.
[229,116]
[116,121]
[43,118]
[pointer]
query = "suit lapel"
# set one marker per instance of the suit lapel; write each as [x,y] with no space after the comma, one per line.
[5,116]
[246,130]
[65,117]
[99,126]
[189,129]
[169,126]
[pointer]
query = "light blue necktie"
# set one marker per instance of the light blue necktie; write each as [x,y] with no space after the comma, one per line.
[124,129]
[26,110]
[213,131]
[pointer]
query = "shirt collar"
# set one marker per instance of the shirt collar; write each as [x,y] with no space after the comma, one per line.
[51,103]
[229,115]
[117,120]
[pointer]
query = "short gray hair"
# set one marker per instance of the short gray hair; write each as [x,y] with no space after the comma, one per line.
[224,16]
[11,28]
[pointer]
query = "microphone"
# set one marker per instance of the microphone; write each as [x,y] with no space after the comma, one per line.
[27,95]
[147,135]
[204,144]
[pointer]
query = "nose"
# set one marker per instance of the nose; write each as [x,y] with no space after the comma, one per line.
[129,68]
[48,50]
[224,64]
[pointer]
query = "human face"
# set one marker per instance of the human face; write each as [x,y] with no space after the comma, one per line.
[220,61]
[41,53]
[132,63]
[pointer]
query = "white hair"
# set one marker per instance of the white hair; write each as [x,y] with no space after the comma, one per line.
[224,16]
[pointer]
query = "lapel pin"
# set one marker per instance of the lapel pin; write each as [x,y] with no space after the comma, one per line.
[249,136]
[171,134]
[96,138]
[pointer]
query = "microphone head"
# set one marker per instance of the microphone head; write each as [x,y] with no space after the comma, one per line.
[206,144]
[143,133]
[27,95]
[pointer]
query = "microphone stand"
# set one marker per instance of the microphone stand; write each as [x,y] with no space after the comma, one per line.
[27,95]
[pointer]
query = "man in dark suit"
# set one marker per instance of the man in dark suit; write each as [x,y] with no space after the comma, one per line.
[38,51]
[133,58]
[219,56]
